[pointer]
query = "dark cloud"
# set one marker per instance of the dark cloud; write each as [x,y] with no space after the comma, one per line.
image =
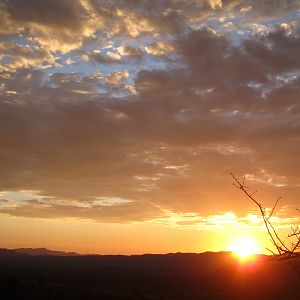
[57,13]
[276,52]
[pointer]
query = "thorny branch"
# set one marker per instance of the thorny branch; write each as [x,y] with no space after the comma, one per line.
[283,250]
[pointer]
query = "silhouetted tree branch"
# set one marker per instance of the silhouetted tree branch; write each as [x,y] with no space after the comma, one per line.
[284,250]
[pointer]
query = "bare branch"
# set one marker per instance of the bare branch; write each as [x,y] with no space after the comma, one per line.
[273,209]
[284,249]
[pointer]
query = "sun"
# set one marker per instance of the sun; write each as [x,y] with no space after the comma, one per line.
[245,248]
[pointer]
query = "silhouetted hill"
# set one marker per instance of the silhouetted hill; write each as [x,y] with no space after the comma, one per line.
[7,252]
[171,276]
[44,251]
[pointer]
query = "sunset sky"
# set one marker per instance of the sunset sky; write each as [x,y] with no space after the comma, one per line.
[121,121]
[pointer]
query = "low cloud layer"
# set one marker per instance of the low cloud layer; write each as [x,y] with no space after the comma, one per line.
[155,103]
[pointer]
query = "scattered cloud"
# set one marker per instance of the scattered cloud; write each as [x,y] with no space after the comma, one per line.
[159,48]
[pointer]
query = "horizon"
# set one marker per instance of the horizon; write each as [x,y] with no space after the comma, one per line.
[121,122]
[27,251]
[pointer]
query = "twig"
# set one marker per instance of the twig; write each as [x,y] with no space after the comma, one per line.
[284,251]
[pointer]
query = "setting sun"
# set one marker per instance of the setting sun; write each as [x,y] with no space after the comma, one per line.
[245,247]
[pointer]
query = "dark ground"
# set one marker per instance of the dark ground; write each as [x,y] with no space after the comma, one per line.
[148,277]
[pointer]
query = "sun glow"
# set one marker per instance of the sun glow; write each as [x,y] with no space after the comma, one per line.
[244,248]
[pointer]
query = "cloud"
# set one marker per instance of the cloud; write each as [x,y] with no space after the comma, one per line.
[130,52]
[65,26]
[159,48]
[74,133]
[108,58]
[104,209]
[14,57]
[116,78]
[226,221]
[60,27]
[71,148]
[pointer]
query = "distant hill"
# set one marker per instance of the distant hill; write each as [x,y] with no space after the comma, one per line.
[46,274]
[44,251]
[10,253]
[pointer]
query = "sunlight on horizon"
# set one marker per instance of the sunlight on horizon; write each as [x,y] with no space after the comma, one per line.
[245,248]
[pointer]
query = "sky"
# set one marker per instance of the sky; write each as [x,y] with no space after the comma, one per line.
[121,121]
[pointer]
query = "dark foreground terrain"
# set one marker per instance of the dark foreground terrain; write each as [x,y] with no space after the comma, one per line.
[149,277]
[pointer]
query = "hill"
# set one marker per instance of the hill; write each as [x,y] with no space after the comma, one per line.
[170,276]
[44,251]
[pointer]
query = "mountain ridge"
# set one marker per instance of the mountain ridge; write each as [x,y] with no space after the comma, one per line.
[34,252]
